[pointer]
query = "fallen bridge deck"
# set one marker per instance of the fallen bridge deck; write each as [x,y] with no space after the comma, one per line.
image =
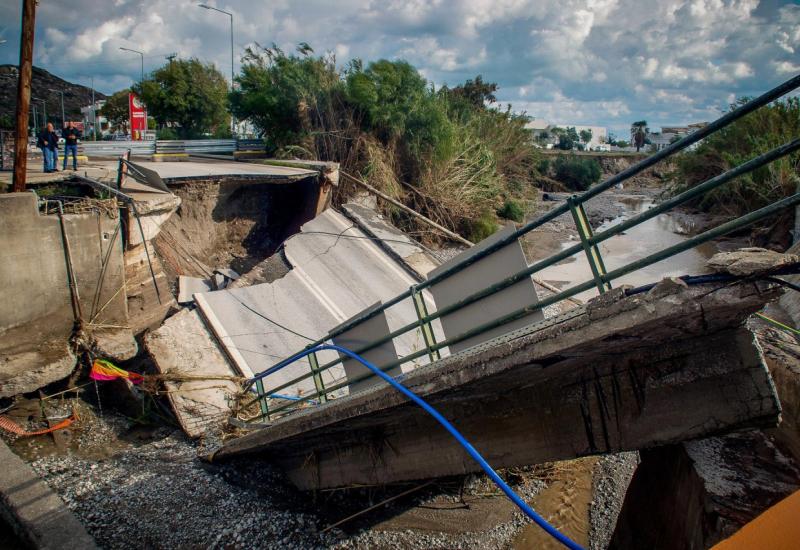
[621,373]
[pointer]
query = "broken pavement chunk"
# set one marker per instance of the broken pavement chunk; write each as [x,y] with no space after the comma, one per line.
[188,286]
[750,261]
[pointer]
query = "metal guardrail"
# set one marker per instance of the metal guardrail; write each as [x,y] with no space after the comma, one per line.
[601,278]
[196,146]
[140,148]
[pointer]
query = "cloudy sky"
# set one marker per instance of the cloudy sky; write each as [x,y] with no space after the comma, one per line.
[602,62]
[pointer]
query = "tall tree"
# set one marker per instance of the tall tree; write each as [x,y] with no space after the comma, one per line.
[190,93]
[116,110]
[639,131]
[586,136]
[476,92]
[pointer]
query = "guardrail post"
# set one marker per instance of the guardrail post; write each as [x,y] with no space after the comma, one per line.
[262,401]
[318,383]
[427,329]
[592,251]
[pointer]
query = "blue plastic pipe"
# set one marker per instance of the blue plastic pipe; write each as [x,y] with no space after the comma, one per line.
[521,504]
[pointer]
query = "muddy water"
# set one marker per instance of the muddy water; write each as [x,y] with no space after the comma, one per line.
[651,236]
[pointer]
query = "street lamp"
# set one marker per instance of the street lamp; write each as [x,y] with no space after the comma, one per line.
[63,119]
[229,14]
[141,81]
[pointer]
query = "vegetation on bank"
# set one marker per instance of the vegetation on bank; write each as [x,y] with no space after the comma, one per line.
[448,152]
[750,136]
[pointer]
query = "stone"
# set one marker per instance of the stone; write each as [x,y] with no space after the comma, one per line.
[750,261]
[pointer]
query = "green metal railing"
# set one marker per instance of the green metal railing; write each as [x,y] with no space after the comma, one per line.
[589,241]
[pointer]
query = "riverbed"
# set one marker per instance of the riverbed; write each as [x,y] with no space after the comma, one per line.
[649,237]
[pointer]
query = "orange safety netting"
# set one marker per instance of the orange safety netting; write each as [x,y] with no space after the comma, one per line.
[10,426]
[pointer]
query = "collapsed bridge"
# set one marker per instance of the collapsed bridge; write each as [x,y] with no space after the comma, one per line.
[626,371]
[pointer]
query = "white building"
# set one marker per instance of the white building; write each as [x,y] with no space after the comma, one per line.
[541,127]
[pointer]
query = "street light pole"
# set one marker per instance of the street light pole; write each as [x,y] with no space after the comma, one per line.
[229,14]
[63,118]
[44,110]
[141,80]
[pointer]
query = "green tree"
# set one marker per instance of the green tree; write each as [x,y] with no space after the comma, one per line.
[476,92]
[190,93]
[577,173]
[276,92]
[586,136]
[116,110]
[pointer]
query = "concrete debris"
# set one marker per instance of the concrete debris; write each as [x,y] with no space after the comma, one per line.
[115,344]
[337,272]
[218,281]
[28,371]
[189,286]
[200,383]
[227,273]
[750,261]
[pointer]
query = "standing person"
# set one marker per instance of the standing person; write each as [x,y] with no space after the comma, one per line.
[48,143]
[71,135]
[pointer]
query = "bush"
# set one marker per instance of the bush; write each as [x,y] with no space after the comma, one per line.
[166,133]
[752,135]
[482,227]
[512,210]
[577,173]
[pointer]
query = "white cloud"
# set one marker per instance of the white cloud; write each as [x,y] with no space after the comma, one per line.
[605,61]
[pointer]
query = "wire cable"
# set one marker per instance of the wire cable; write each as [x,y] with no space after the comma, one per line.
[502,485]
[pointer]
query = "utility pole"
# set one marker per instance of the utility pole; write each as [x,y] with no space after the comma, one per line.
[24,93]
[63,118]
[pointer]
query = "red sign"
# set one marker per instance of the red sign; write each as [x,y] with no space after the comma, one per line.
[138,117]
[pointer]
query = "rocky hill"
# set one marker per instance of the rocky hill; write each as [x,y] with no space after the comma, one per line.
[75,95]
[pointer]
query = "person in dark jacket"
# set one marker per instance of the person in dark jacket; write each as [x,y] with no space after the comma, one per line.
[48,143]
[71,135]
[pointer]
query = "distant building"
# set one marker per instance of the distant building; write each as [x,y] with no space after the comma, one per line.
[543,133]
[90,113]
[671,134]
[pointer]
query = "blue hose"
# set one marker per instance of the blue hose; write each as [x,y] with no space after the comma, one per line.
[521,504]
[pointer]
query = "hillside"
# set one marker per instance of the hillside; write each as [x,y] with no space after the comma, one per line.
[75,95]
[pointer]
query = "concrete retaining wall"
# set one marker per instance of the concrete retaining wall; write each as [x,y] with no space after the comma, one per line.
[35,298]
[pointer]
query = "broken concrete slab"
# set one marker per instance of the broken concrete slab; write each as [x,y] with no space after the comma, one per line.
[227,273]
[637,373]
[27,371]
[336,273]
[410,254]
[750,261]
[189,286]
[349,273]
[115,344]
[202,385]
[37,514]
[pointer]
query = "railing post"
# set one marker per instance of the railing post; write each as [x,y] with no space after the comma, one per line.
[427,329]
[592,251]
[262,402]
[318,383]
